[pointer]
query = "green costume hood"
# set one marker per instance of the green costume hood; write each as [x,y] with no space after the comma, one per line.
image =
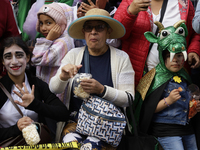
[173,39]
[162,75]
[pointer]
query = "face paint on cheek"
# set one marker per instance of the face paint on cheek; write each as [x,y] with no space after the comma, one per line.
[182,63]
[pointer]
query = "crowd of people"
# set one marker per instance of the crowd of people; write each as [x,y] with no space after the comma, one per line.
[123,43]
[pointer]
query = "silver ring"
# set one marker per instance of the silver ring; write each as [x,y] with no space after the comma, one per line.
[20,94]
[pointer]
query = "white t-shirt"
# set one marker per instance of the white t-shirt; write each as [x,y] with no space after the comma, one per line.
[171,16]
[9,114]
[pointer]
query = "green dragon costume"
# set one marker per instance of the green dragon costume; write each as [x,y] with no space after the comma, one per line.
[172,39]
[151,86]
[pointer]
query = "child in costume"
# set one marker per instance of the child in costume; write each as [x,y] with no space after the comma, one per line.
[163,93]
[53,22]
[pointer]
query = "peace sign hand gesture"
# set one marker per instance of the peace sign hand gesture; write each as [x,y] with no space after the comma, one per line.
[26,97]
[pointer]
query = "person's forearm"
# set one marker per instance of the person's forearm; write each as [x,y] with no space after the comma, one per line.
[196,19]
[56,85]
[196,23]
[162,105]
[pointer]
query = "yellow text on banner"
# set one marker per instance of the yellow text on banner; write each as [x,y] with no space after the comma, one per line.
[49,146]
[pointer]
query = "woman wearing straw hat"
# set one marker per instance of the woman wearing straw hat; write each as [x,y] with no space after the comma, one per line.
[111,69]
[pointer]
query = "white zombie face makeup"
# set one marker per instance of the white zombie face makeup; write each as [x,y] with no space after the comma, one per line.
[15,60]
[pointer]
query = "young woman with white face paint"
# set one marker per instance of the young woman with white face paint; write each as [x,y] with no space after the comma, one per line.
[30,93]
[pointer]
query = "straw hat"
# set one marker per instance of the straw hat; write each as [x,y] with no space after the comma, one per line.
[75,28]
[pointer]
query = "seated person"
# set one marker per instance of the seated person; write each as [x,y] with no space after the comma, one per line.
[112,73]
[32,95]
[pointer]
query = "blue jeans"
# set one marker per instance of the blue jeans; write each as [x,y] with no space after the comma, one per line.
[187,142]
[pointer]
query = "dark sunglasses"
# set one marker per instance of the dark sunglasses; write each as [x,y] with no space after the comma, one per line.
[98,28]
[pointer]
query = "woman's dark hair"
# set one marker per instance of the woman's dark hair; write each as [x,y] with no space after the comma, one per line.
[8,42]
[164,54]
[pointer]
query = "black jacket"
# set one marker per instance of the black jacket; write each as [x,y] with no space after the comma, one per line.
[46,104]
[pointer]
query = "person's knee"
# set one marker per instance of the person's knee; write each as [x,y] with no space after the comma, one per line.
[92,143]
[72,137]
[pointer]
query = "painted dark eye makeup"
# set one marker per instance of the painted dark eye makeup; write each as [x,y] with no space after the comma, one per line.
[7,56]
[17,54]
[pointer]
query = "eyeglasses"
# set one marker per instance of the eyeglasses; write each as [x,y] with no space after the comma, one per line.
[98,28]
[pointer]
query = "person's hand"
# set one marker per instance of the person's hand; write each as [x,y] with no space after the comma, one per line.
[198,106]
[173,96]
[92,86]
[193,60]
[80,12]
[85,7]
[138,5]
[69,71]
[54,33]
[26,97]
[24,122]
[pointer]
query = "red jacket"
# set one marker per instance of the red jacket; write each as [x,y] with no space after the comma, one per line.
[8,26]
[134,41]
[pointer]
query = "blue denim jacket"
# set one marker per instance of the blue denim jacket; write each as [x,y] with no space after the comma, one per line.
[177,113]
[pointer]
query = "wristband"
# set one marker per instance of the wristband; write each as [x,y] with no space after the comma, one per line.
[129,11]
[166,102]
[102,94]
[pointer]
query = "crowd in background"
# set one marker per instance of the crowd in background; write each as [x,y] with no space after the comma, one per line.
[26,18]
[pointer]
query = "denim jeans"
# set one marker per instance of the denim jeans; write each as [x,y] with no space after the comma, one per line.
[187,142]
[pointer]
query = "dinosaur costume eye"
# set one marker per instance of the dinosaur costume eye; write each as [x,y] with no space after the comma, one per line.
[164,34]
[180,31]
